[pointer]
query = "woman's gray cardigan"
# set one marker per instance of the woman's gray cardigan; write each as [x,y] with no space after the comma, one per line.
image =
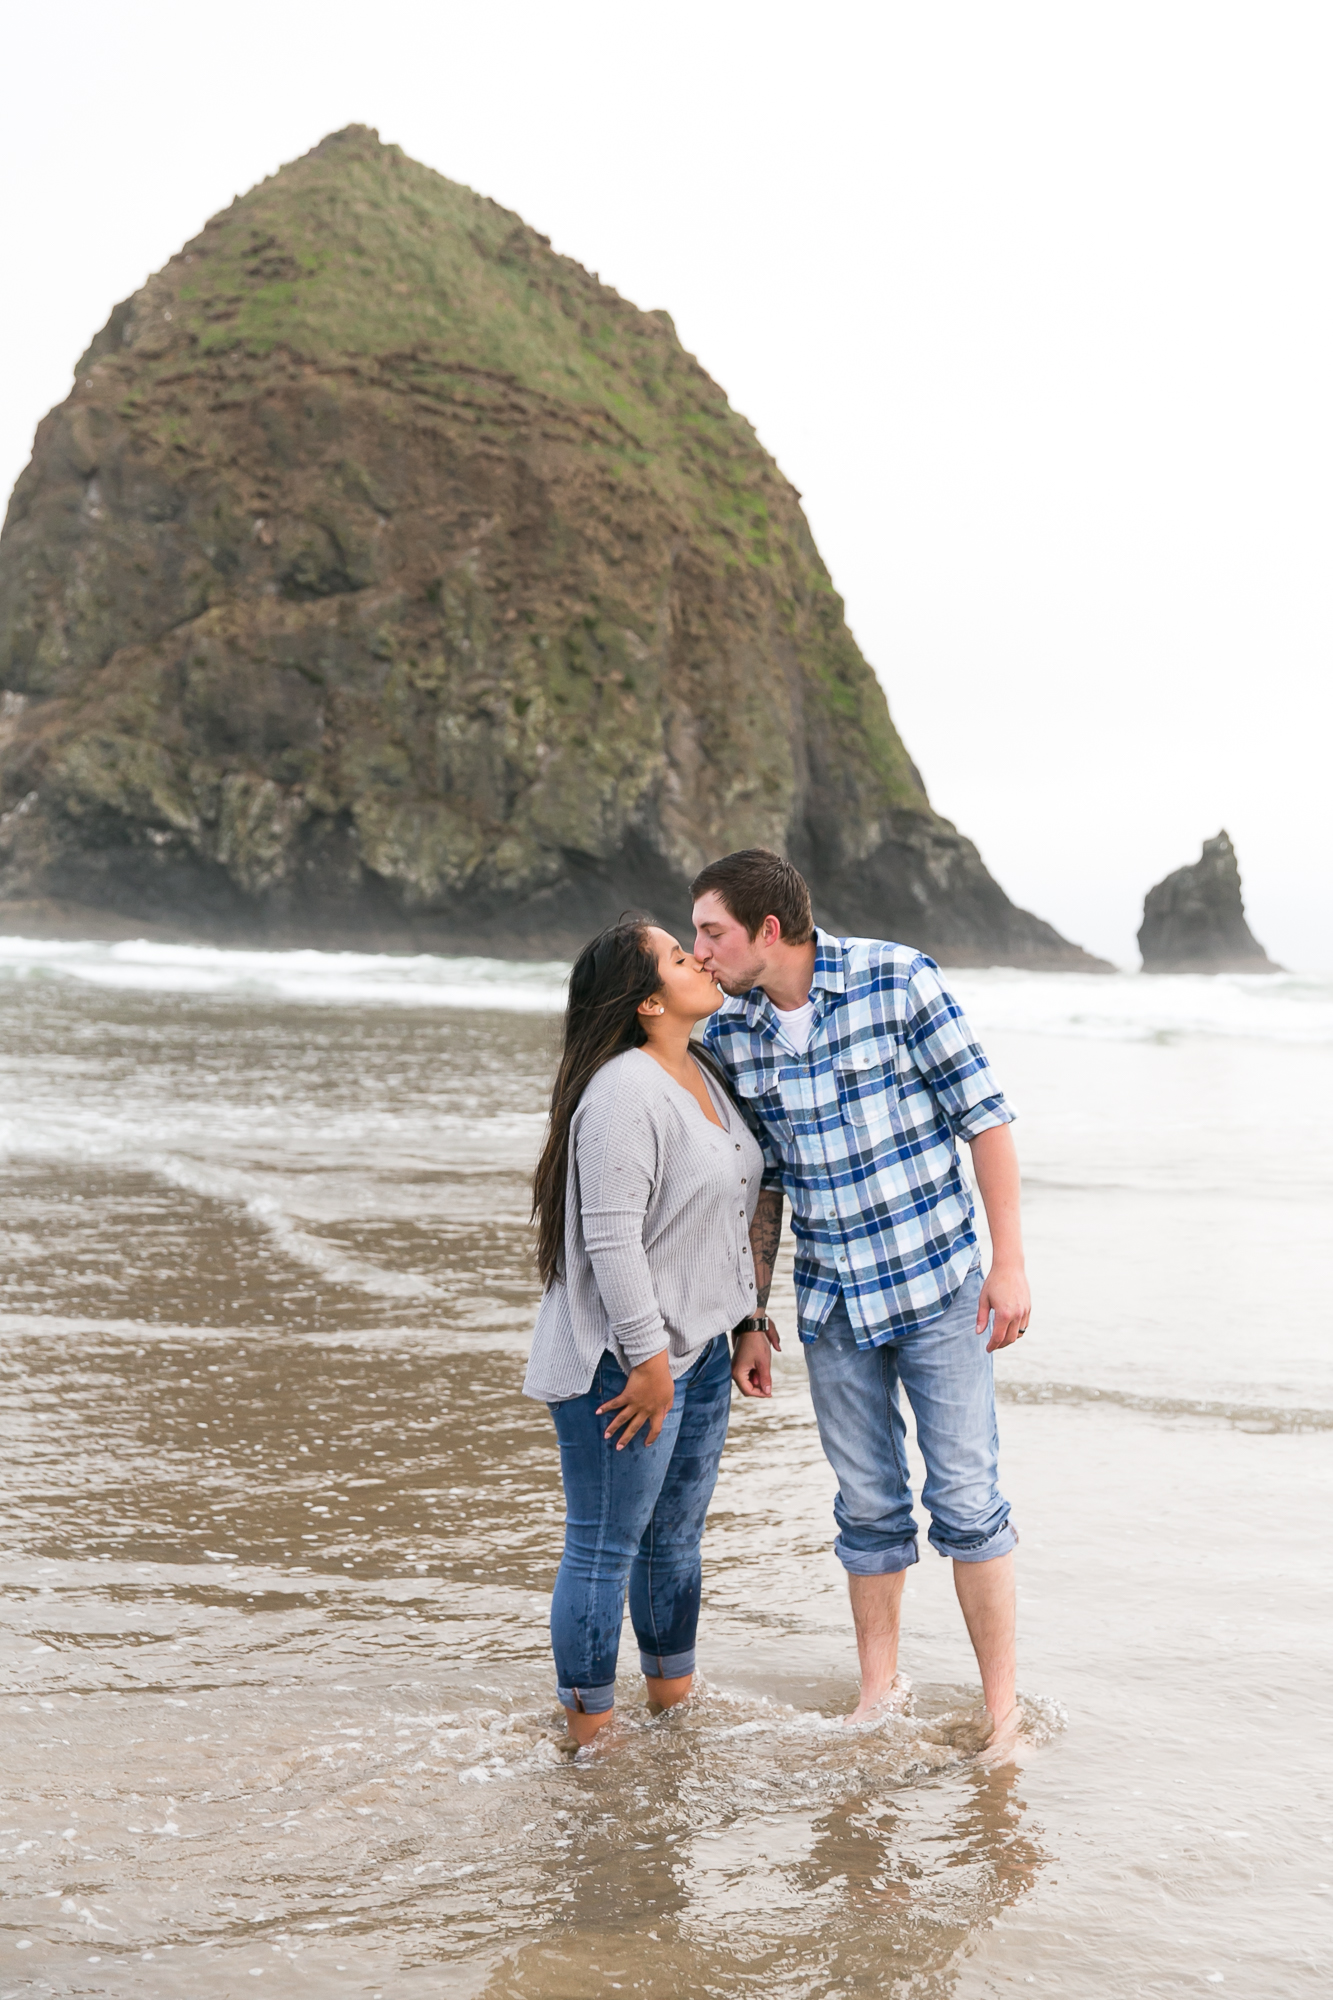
[658,1204]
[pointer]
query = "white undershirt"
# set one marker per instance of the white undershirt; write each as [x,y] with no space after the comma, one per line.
[796,1024]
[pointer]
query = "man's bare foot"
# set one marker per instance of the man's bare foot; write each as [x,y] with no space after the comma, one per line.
[583,1727]
[1006,1742]
[890,1700]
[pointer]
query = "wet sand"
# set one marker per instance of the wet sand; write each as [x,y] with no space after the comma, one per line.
[280,1535]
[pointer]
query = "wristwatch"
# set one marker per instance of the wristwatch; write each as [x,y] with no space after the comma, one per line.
[756,1323]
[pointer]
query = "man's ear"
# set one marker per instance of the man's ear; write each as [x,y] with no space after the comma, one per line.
[770,933]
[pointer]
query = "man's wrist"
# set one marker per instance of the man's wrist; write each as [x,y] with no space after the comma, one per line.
[756,1322]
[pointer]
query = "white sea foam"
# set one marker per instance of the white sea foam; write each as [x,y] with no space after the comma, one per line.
[1134,1007]
[327,978]
[101,1142]
[1283,1007]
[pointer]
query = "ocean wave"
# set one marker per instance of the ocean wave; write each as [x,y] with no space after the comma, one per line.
[321,978]
[1159,1007]
[60,1140]
[1281,1007]
[1208,1409]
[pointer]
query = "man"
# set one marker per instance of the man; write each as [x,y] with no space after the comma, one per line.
[861,1076]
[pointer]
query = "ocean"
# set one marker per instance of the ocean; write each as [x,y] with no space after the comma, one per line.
[280,1530]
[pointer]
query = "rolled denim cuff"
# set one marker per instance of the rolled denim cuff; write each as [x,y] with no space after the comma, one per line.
[588,1701]
[999,1544]
[876,1562]
[666,1666]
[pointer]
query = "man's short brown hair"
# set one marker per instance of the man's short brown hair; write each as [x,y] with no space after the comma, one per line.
[755,883]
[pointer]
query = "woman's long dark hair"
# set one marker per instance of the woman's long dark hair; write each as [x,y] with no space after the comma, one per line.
[612,977]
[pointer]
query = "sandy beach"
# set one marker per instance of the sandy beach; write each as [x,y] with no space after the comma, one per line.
[280,1530]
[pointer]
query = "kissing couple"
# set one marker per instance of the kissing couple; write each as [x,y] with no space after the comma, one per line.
[839,1073]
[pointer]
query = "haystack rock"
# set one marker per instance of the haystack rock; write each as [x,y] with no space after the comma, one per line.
[386,579]
[1194,920]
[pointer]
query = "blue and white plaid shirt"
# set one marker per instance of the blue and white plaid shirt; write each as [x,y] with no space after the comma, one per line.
[862,1131]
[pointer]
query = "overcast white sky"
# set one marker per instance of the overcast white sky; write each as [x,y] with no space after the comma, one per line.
[1033,302]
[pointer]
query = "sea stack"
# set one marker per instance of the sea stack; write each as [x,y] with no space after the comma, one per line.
[387,579]
[1194,920]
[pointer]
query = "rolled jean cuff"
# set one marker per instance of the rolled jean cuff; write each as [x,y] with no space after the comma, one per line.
[667,1666]
[876,1562]
[999,1544]
[588,1701]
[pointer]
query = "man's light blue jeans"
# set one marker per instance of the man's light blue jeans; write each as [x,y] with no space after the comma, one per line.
[949,1380]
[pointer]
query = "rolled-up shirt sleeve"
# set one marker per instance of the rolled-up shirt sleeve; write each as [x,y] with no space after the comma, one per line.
[617,1156]
[945,1052]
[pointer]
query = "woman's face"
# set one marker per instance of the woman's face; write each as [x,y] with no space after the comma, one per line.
[687,992]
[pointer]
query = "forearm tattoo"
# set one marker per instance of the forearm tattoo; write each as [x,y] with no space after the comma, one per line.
[765,1235]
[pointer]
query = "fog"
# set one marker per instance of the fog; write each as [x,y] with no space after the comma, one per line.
[1032,304]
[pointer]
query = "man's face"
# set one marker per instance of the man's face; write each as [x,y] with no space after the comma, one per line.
[725,948]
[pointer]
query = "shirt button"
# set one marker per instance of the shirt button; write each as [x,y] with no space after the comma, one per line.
[743,1180]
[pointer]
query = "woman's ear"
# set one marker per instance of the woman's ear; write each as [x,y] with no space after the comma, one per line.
[651,1007]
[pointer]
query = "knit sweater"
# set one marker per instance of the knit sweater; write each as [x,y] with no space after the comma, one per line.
[658,1204]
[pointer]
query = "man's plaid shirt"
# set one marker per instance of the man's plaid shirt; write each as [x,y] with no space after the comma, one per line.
[861,1132]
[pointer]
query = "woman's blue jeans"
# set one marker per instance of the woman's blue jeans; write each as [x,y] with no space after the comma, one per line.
[634,1517]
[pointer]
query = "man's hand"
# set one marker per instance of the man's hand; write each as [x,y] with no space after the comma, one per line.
[646,1398]
[751,1361]
[1005,1293]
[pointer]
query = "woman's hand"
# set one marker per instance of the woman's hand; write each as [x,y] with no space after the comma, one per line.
[646,1398]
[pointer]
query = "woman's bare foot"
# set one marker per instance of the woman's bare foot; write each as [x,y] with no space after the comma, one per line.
[890,1700]
[583,1727]
[666,1692]
[1006,1741]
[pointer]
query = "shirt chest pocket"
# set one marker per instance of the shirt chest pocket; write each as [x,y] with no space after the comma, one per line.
[761,1100]
[871,1076]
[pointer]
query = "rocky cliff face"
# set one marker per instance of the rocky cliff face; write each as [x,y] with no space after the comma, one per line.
[385,577]
[1194,920]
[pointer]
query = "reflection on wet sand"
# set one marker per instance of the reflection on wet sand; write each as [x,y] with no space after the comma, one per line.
[874,1878]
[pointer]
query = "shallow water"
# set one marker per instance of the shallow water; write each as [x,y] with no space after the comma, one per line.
[280,1531]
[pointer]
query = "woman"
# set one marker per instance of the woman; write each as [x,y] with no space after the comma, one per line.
[643,1197]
